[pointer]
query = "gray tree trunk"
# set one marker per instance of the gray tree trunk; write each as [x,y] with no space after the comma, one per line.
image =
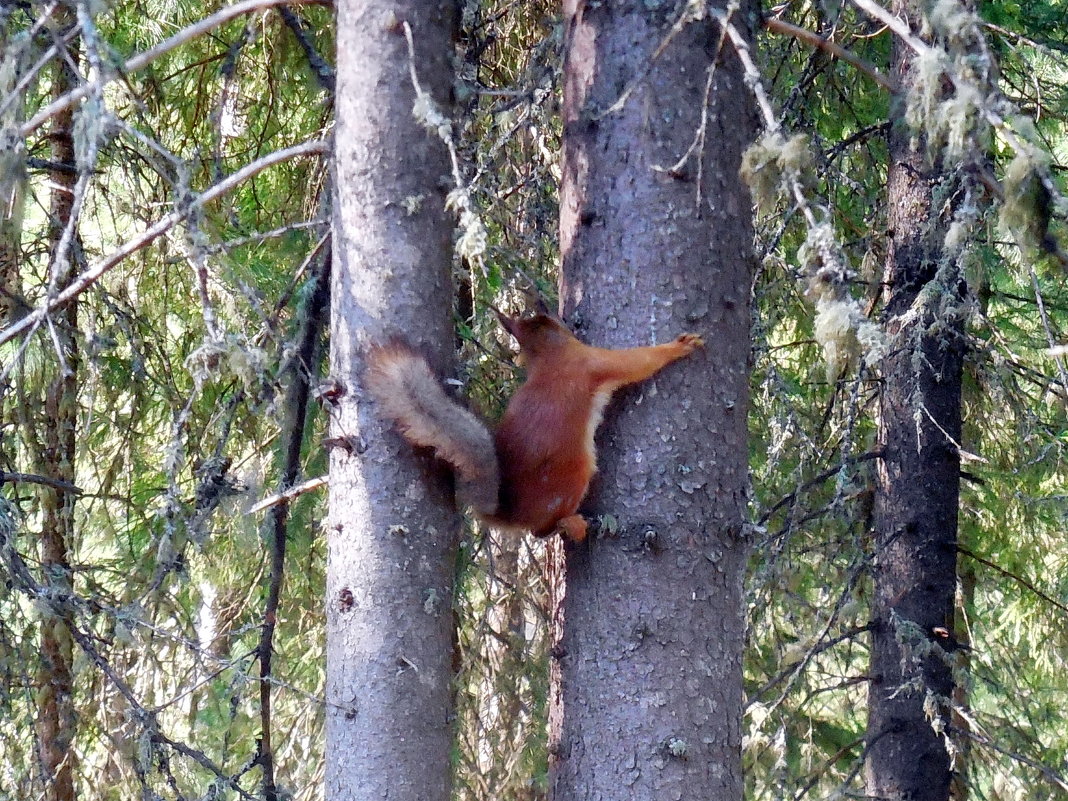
[648,615]
[13,62]
[918,484]
[392,528]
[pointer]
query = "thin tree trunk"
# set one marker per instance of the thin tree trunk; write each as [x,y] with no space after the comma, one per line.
[301,370]
[57,718]
[392,530]
[648,618]
[12,178]
[917,490]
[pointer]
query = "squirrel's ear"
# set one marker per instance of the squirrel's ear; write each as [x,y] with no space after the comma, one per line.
[510,324]
[543,307]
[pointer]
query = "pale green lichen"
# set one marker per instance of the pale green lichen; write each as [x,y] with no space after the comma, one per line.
[232,355]
[772,160]
[1025,209]
[471,244]
[427,114]
[951,20]
[677,747]
[760,170]
[957,236]
[833,330]
[952,123]
[431,602]
[796,155]
[820,256]
[412,204]
[957,121]
[840,327]
[926,91]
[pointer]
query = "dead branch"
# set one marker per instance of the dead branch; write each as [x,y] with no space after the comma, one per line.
[288,495]
[32,478]
[813,39]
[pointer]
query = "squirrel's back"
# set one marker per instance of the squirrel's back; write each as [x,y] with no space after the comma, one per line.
[545,444]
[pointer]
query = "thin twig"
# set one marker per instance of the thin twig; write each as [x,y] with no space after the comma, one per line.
[792,669]
[19,90]
[1051,341]
[1046,771]
[301,368]
[1018,579]
[324,73]
[685,18]
[771,122]
[812,38]
[62,605]
[287,495]
[818,479]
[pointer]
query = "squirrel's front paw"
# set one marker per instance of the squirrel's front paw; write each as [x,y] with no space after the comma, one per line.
[690,342]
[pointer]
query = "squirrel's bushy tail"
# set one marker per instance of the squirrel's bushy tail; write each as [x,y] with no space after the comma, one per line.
[408,393]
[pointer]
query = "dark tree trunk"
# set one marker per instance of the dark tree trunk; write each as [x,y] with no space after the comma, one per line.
[57,721]
[648,618]
[393,529]
[918,484]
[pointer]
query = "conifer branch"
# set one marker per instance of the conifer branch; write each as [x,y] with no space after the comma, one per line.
[142,60]
[86,279]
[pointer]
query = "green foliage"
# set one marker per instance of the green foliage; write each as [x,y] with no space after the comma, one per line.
[808,656]
[184,347]
[179,407]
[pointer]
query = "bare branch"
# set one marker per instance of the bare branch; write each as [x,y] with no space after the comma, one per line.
[1010,575]
[31,478]
[289,494]
[813,39]
[324,73]
[301,368]
[818,479]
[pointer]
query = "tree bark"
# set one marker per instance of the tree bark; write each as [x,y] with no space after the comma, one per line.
[57,719]
[392,529]
[300,372]
[648,616]
[13,60]
[918,484]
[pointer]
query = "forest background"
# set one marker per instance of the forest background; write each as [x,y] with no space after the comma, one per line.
[166,191]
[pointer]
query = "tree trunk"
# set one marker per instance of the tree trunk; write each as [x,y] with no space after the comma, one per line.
[13,62]
[57,718]
[648,616]
[393,529]
[917,488]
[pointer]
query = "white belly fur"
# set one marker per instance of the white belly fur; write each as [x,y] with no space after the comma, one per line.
[600,401]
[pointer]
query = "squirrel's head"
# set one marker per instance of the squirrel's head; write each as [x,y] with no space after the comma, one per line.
[537,334]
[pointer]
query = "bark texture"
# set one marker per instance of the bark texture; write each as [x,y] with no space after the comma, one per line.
[648,619]
[56,456]
[12,174]
[392,530]
[918,484]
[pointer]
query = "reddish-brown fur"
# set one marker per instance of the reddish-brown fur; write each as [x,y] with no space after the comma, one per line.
[545,442]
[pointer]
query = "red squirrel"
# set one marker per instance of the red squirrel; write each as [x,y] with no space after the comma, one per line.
[534,471]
